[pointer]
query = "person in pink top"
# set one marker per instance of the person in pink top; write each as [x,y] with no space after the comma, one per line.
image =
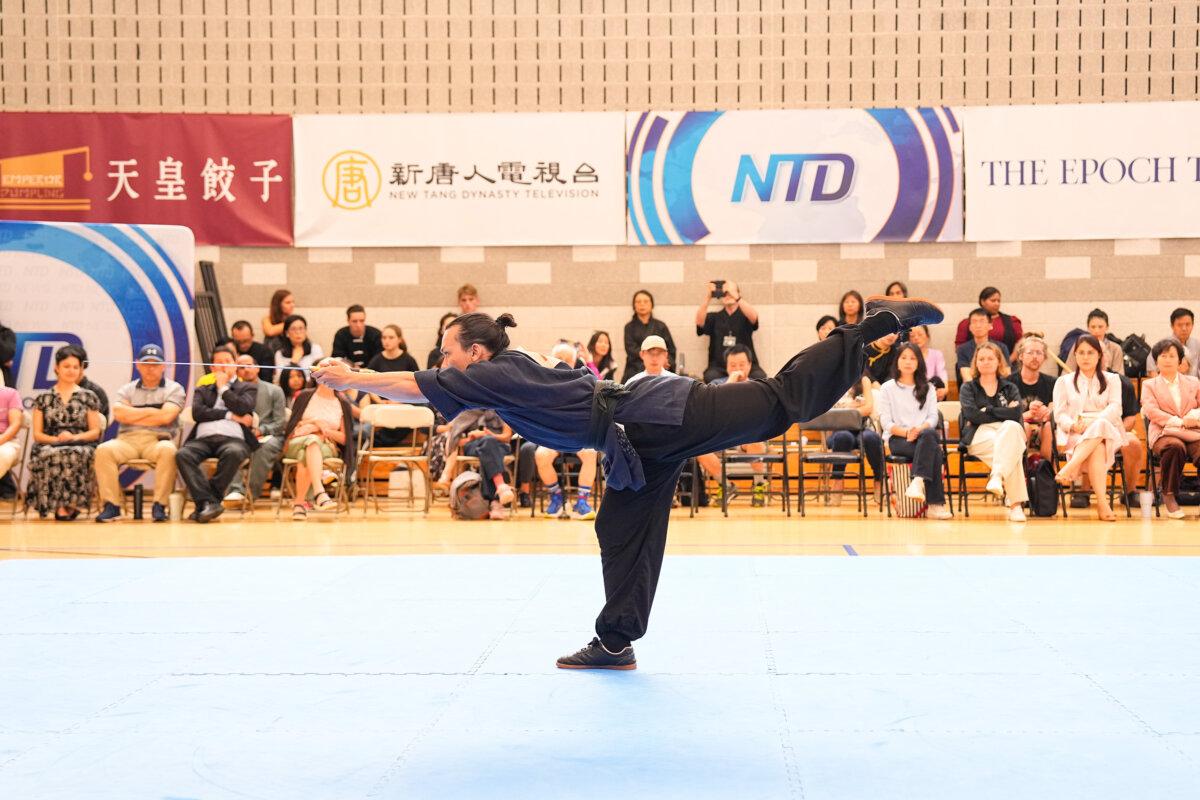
[935,360]
[1171,403]
[11,419]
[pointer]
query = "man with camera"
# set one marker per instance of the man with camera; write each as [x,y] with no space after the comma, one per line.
[734,324]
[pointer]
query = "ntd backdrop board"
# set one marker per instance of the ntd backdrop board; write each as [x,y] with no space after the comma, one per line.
[743,177]
[1111,171]
[459,179]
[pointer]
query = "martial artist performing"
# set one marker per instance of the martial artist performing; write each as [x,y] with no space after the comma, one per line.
[646,432]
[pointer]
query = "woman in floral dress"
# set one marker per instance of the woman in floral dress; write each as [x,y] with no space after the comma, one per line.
[66,429]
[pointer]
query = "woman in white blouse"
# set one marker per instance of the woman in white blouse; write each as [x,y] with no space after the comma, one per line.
[909,414]
[1087,412]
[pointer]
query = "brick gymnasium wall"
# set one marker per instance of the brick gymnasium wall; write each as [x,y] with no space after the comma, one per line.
[348,56]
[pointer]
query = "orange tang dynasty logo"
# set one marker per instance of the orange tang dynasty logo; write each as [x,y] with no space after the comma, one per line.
[38,181]
[351,180]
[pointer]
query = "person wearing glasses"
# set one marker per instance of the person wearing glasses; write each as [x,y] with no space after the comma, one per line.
[734,324]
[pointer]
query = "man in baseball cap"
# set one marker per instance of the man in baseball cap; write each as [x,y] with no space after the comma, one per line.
[654,359]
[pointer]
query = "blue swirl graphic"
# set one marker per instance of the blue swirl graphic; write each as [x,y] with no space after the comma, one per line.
[646,181]
[945,159]
[913,165]
[637,229]
[677,174]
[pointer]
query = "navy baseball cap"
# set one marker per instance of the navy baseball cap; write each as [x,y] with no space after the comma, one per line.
[151,352]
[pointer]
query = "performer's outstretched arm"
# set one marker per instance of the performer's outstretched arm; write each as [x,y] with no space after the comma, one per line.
[399,386]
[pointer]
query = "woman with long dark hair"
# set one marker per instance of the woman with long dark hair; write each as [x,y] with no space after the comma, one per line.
[850,308]
[299,350]
[908,413]
[282,306]
[600,349]
[647,431]
[644,324]
[1087,412]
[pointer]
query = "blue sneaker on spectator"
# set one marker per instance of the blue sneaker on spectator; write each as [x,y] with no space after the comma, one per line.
[556,504]
[110,513]
[582,510]
[158,513]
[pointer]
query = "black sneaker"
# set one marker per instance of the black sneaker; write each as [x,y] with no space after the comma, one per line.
[911,312]
[596,656]
[210,512]
[524,500]
[158,513]
[1080,500]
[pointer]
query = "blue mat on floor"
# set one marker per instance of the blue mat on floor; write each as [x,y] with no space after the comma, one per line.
[433,677]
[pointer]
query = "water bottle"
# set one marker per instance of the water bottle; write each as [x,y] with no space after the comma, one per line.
[137,501]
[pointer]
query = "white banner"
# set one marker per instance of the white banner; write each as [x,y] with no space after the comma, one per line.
[1111,171]
[459,179]
[842,175]
[110,288]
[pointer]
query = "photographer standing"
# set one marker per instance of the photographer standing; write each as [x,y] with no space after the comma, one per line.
[734,324]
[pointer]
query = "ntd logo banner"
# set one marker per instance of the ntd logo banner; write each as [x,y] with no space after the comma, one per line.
[745,177]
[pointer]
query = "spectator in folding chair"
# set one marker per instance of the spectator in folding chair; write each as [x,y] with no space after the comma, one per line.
[860,398]
[270,407]
[148,410]
[908,412]
[483,435]
[737,368]
[991,426]
[1171,403]
[12,418]
[935,360]
[223,411]
[1087,410]
[67,425]
[1037,392]
[319,428]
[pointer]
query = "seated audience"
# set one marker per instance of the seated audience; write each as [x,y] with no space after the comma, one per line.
[908,413]
[735,323]
[1001,327]
[483,435]
[294,381]
[653,355]
[935,362]
[965,351]
[468,299]
[393,355]
[12,419]
[641,326]
[850,308]
[738,369]
[319,428]
[1113,359]
[1037,392]
[991,428]
[282,306]
[270,409]
[1171,402]
[824,325]
[434,358]
[881,358]
[1182,323]
[299,350]
[896,290]
[861,398]
[92,387]
[1087,412]
[544,458]
[148,412]
[223,411]
[66,428]
[601,362]
[242,335]
[357,342]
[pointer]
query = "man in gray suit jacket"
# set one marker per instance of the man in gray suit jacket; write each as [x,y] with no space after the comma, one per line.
[271,410]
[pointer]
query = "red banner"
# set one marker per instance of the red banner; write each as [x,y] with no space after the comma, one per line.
[228,177]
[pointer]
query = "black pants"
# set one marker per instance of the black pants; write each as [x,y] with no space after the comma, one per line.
[229,452]
[491,452]
[632,523]
[926,455]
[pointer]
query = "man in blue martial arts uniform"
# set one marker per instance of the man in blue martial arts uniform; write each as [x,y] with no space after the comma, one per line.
[646,432]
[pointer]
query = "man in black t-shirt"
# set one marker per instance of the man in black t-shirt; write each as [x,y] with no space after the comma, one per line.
[734,324]
[358,342]
[241,333]
[1037,391]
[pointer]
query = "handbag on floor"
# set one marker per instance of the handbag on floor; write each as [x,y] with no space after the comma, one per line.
[1043,491]
[901,476]
[466,496]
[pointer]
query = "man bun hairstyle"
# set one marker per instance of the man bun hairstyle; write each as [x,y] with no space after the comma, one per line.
[479,328]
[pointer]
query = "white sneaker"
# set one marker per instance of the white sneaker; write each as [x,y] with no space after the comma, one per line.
[1015,514]
[996,486]
[916,489]
[938,512]
[276,494]
[235,497]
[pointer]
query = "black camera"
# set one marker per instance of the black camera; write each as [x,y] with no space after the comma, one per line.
[718,289]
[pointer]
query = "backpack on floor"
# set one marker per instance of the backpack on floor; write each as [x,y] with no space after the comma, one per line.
[900,476]
[466,496]
[1043,491]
